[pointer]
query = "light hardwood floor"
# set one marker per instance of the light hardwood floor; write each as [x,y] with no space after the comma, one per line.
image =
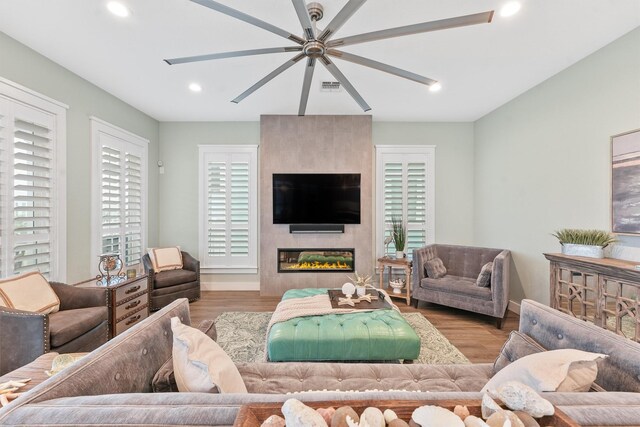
[474,335]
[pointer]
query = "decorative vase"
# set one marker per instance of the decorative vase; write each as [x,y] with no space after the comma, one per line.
[590,251]
[361,291]
[399,254]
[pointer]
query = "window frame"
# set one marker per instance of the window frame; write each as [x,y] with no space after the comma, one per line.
[205,154]
[99,126]
[426,153]
[15,93]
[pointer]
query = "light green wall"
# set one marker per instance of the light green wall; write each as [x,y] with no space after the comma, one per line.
[22,65]
[178,204]
[542,161]
[454,171]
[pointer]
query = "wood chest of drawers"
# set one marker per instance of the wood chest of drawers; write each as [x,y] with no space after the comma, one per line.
[128,301]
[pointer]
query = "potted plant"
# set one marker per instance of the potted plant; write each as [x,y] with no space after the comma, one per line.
[399,234]
[588,243]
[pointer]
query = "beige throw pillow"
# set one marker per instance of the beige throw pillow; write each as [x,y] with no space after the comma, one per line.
[29,292]
[200,365]
[555,370]
[164,259]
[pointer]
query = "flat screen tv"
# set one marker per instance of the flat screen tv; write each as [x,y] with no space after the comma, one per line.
[316,198]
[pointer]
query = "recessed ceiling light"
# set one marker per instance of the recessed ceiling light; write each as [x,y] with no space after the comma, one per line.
[510,8]
[435,87]
[195,87]
[118,9]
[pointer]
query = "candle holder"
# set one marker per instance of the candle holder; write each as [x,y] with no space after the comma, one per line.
[110,268]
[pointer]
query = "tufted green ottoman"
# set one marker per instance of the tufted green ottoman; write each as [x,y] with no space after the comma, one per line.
[379,335]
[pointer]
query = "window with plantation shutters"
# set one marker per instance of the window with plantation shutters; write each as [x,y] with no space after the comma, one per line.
[119,178]
[228,208]
[32,183]
[405,189]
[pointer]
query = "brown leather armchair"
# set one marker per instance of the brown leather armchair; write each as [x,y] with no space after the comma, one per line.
[167,286]
[81,325]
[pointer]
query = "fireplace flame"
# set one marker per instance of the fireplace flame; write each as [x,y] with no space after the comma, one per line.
[319,266]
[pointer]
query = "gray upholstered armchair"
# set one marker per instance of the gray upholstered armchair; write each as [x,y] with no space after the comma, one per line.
[81,325]
[458,287]
[168,286]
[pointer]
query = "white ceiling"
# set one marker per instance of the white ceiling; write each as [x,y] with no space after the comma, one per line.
[481,67]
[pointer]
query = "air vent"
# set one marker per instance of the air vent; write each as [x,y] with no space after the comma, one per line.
[330,87]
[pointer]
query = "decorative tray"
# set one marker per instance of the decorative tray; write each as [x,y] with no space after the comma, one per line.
[253,415]
[336,294]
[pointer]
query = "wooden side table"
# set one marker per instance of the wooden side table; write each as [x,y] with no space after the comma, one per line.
[392,263]
[128,301]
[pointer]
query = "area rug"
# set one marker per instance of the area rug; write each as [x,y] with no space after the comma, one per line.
[243,334]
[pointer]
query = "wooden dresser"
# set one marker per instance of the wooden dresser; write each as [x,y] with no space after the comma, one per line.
[604,291]
[128,301]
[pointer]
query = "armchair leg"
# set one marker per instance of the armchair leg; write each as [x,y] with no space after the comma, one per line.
[500,320]
[414,302]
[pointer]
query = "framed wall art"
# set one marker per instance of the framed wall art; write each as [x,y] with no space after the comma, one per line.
[625,183]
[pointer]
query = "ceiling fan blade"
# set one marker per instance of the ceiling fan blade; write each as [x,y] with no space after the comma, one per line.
[306,85]
[305,19]
[380,66]
[338,21]
[337,74]
[248,19]
[268,77]
[443,24]
[186,59]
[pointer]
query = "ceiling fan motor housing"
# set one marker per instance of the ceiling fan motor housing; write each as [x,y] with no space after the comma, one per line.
[316,11]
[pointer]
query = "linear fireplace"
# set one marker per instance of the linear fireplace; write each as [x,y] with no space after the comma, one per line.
[297,260]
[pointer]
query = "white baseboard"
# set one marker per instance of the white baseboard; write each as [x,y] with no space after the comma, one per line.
[514,307]
[229,286]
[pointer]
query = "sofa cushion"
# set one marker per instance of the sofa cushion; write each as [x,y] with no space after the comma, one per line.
[456,285]
[165,380]
[434,268]
[164,259]
[484,278]
[517,346]
[547,371]
[200,364]
[68,325]
[29,292]
[174,277]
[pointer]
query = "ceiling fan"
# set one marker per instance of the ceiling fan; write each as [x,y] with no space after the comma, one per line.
[318,45]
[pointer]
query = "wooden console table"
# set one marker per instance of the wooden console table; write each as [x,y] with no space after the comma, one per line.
[403,263]
[604,291]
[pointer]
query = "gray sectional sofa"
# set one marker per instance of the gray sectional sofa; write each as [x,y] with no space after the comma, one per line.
[112,385]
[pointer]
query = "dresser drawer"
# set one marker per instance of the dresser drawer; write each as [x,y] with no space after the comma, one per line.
[130,321]
[128,290]
[133,305]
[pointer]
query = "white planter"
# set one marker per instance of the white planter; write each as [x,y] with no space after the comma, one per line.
[361,291]
[399,254]
[583,250]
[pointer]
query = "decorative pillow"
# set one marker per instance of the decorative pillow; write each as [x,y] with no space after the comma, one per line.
[29,292]
[434,268]
[516,347]
[200,365]
[165,380]
[547,371]
[484,278]
[163,259]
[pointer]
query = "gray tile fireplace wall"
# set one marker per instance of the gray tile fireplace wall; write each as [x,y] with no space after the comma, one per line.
[314,144]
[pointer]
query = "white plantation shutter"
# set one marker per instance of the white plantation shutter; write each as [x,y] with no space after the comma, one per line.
[405,188]
[120,198]
[32,184]
[228,220]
